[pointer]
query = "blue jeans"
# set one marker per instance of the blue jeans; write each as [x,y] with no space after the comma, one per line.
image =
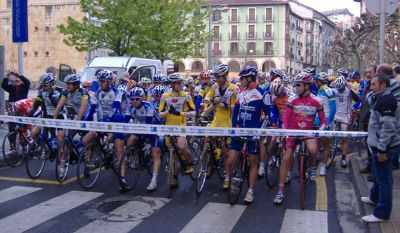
[382,189]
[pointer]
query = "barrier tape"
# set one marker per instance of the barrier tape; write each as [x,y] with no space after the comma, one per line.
[174,130]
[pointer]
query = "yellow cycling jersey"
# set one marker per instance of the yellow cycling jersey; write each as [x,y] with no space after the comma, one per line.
[182,102]
[204,90]
[223,110]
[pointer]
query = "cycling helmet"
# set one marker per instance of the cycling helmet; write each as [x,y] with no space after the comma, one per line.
[174,77]
[220,70]
[322,76]
[105,75]
[309,70]
[262,75]
[145,80]
[277,87]
[189,81]
[123,88]
[73,78]
[286,79]
[303,77]
[136,92]
[158,90]
[46,78]
[355,74]
[343,72]
[86,84]
[248,71]
[157,78]
[276,73]
[339,83]
[232,80]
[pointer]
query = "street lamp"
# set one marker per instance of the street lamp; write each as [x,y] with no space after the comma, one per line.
[211,10]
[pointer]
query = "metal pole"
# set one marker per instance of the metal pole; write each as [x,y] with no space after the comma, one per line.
[382,32]
[20,59]
[209,38]
[2,65]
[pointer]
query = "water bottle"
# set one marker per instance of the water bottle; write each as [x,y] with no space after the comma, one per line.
[53,142]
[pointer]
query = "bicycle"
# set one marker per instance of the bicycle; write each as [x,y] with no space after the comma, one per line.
[171,168]
[69,151]
[240,172]
[273,162]
[302,157]
[93,158]
[44,148]
[135,159]
[15,146]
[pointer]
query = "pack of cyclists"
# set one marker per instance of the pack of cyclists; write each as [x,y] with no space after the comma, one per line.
[308,101]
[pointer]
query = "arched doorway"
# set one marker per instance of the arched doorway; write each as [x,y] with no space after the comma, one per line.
[251,63]
[268,65]
[197,66]
[234,66]
[179,67]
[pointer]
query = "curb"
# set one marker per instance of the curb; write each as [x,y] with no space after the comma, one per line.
[361,189]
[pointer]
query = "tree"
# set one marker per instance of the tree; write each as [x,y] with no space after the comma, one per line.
[164,29]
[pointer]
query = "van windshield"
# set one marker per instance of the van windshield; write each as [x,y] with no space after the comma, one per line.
[88,72]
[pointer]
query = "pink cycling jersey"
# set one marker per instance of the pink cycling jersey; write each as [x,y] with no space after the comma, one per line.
[301,112]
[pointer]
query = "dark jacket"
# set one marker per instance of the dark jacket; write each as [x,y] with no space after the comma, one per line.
[13,94]
[383,127]
[364,109]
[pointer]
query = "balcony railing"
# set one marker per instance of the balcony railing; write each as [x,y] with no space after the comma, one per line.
[298,28]
[251,19]
[268,18]
[268,35]
[234,36]
[251,35]
[234,19]
[268,52]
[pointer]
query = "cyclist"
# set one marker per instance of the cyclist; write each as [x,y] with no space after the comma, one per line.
[343,72]
[313,72]
[74,101]
[345,94]
[205,77]
[47,99]
[249,106]
[175,106]
[261,80]
[327,97]
[141,112]
[108,107]
[300,113]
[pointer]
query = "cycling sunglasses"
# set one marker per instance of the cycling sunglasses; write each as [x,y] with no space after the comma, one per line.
[136,98]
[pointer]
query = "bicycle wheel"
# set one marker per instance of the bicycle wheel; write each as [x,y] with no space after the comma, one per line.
[170,171]
[89,166]
[62,161]
[131,165]
[272,163]
[221,167]
[301,179]
[333,152]
[235,182]
[36,158]
[201,171]
[195,147]
[13,149]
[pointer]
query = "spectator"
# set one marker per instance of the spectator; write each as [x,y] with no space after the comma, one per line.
[384,140]
[365,114]
[396,72]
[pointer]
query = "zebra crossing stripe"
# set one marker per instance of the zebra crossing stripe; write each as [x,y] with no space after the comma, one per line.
[305,221]
[35,215]
[126,217]
[15,192]
[215,217]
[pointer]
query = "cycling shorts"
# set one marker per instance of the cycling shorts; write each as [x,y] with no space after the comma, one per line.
[291,142]
[252,146]
[157,141]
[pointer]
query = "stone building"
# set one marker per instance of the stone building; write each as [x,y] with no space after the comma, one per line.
[45,48]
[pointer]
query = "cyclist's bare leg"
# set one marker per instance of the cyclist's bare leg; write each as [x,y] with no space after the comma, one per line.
[263,151]
[312,149]
[182,146]
[60,138]
[35,131]
[253,170]
[156,153]
[326,143]
[232,155]
[286,164]
[119,149]
[345,146]
[90,136]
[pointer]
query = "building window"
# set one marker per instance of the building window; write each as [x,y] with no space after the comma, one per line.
[268,48]
[234,33]
[217,35]
[36,29]
[35,54]
[251,48]
[252,31]
[252,15]
[234,50]
[268,31]
[234,16]
[217,50]
[25,54]
[9,3]
[47,29]
[47,54]
[268,14]
[216,15]
[47,12]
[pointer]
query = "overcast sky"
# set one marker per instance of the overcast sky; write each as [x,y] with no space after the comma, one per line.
[326,5]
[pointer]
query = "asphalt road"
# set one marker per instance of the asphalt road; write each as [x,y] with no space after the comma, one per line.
[45,206]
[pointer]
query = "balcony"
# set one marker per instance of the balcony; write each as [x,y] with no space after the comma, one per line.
[268,52]
[298,28]
[308,29]
[268,18]
[233,52]
[268,35]
[251,35]
[234,36]
[234,19]
[299,44]
[251,19]
[217,37]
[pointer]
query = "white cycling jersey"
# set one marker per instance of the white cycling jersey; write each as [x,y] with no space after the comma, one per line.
[343,105]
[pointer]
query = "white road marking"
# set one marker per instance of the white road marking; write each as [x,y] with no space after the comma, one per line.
[215,218]
[305,221]
[35,215]
[15,192]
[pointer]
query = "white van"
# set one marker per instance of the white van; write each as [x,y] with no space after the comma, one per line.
[138,68]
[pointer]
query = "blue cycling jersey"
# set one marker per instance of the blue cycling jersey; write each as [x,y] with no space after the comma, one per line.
[109,101]
[142,114]
[250,104]
[327,97]
[157,120]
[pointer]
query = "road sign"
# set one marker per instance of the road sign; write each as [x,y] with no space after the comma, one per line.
[20,21]
[373,7]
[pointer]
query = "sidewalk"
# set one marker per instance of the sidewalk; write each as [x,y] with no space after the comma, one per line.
[362,187]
